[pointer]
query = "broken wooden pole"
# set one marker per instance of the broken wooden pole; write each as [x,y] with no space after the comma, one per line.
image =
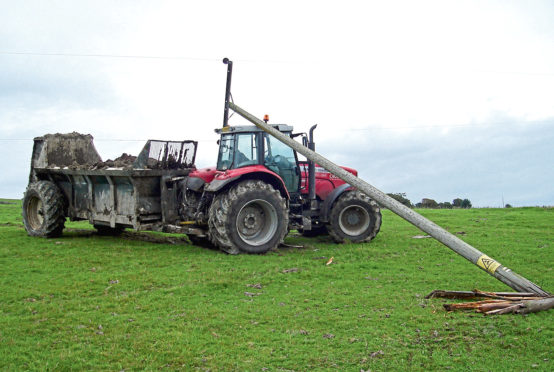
[497,303]
[526,307]
[472,254]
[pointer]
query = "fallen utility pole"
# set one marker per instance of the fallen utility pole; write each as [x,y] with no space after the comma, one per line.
[472,254]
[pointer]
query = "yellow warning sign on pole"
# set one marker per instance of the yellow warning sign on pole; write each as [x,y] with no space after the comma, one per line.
[487,263]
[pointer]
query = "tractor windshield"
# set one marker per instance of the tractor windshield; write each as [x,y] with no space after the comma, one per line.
[237,150]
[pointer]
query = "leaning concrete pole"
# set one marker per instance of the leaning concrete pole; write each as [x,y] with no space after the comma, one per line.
[486,263]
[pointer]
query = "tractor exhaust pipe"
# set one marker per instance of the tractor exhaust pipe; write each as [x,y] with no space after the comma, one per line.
[227,91]
[311,166]
[465,250]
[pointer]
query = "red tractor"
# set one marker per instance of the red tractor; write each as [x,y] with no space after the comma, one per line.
[259,190]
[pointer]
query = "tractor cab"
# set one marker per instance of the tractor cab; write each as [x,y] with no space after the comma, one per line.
[249,146]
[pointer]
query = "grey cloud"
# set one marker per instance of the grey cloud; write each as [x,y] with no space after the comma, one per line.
[39,81]
[480,163]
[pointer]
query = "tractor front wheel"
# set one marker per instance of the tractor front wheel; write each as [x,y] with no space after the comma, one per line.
[43,210]
[354,217]
[250,217]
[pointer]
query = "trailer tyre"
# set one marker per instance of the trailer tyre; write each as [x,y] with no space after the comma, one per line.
[43,210]
[354,217]
[250,217]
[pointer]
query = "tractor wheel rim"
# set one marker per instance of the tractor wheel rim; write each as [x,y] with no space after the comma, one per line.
[257,222]
[35,213]
[354,220]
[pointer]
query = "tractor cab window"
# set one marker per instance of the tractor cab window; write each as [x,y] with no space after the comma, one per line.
[237,150]
[247,151]
[281,159]
[226,152]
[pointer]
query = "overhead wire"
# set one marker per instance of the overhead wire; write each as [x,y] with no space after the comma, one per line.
[95,55]
[137,56]
[152,57]
[186,58]
[99,140]
[483,125]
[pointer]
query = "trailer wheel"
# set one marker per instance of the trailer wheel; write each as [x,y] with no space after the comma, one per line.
[109,231]
[43,210]
[250,217]
[354,217]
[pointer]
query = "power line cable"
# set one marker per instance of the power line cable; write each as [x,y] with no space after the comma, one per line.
[481,125]
[131,56]
[100,140]
[183,58]
[93,55]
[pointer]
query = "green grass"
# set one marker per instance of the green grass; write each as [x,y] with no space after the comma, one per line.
[87,302]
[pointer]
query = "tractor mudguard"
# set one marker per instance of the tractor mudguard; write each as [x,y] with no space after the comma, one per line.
[217,185]
[328,202]
[260,172]
[193,183]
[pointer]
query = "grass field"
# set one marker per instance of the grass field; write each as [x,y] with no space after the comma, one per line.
[150,302]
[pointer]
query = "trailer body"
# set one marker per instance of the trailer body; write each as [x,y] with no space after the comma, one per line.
[136,193]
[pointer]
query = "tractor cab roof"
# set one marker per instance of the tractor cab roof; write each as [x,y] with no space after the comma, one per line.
[252,129]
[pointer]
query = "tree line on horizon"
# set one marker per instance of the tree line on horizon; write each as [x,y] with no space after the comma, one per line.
[430,203]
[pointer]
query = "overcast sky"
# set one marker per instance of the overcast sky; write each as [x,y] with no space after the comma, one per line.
[437,99]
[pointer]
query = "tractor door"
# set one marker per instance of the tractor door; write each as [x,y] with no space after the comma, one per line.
[237,151]
[281,159]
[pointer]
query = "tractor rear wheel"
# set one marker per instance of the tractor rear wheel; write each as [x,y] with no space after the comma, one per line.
[354,217]
[250,217]
[43,210]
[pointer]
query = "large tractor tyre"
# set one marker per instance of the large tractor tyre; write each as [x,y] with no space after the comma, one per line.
[43,210]
[250,217]
[354,217]
[216,229]
[105,230]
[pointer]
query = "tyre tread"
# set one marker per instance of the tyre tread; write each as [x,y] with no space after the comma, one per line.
[344,199]
[220,214]
[53,207]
